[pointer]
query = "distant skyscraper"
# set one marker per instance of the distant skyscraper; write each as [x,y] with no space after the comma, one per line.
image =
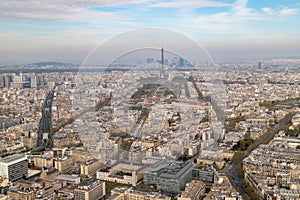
[41,81]
[2,81]
[18,80]
[33,81]
[8,80]
[259,65]
[182,62]
[21,77]
[150,60]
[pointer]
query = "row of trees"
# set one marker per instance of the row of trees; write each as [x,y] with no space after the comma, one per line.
[243,144]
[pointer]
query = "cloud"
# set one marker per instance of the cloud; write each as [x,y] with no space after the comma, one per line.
[232,22]
[268,11]
[75,15]
[59,10]
[239,20]
[288,11]
[236,20]
[190,4]
[240,5]
[240,9]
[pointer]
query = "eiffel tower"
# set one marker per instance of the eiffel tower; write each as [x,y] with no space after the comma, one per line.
[162,74]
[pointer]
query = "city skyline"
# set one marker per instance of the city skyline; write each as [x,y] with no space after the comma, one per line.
[62,31]
[149,99]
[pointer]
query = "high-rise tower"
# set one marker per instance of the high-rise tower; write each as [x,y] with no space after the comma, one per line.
[162,69]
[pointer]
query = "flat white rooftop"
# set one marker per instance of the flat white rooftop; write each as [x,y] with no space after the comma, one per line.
[12,158]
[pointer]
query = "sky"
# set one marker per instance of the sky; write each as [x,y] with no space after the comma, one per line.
[66,31]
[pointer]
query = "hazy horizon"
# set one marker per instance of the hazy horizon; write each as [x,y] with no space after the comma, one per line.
[33,31]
